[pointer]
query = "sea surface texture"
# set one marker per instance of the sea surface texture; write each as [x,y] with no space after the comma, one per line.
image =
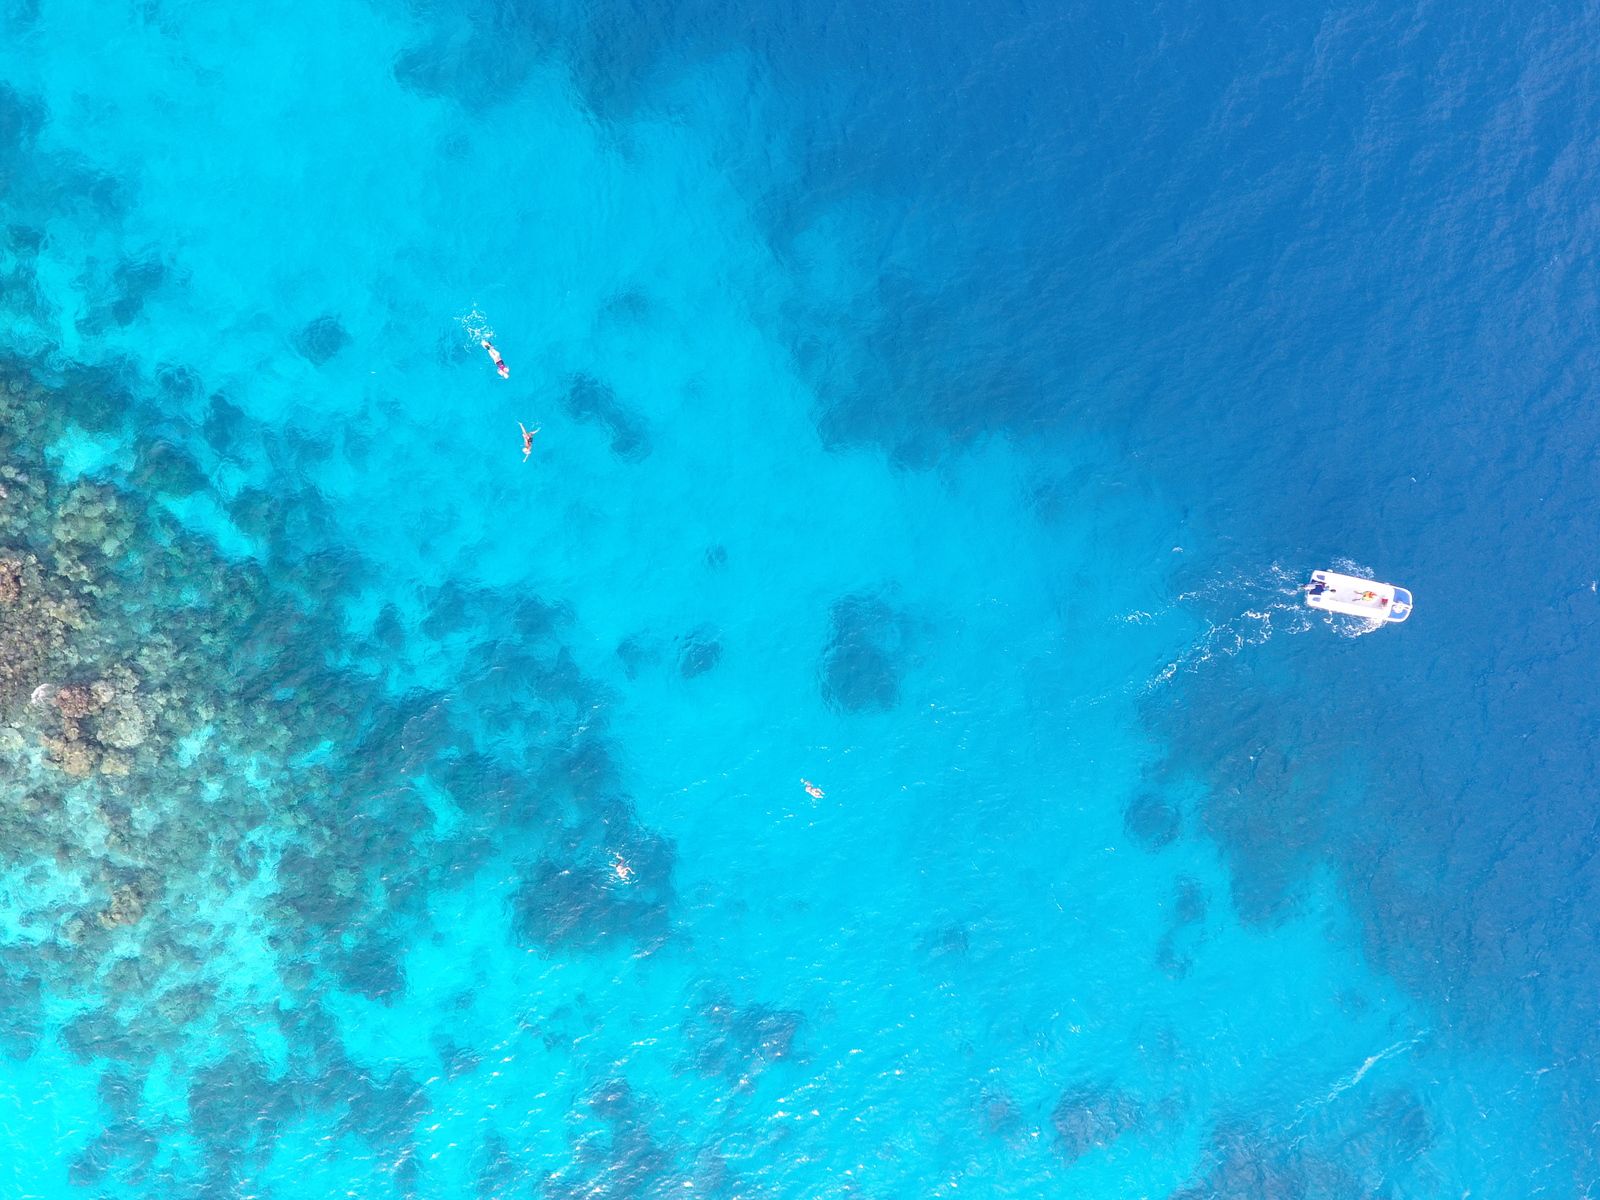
[937,403]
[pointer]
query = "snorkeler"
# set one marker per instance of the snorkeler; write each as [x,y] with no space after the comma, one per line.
[527,439]
[621,867]
[499,363]
[812,789]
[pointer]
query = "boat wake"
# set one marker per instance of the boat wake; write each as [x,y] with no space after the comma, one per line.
[1262,604]
[1339,1087]
[1244,611]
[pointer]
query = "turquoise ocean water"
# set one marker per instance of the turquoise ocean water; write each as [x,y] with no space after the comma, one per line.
[941,407]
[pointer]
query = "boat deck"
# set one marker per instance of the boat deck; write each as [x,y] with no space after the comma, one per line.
[1356,597]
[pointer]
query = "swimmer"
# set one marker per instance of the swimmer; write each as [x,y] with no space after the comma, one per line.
[812,789]
[620,866]
[499,363]
[527,439]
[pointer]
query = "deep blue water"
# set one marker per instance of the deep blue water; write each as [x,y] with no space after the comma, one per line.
[940,405]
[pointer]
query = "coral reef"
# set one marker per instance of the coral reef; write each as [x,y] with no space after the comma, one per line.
[176,728]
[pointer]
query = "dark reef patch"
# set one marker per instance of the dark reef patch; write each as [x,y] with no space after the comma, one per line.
[908,386]
[385,1113]
[1189,903]
[119,299]
[478,60]
[124,1145]
[630,306]
[21,119]
[1276,799]
[739,1043]
[1152,820]
[635,653]
[255,512]
[949,941]
[1401,1124]
[120,1093]
[162,466]
[135,281]
[1248,1164]
[319,340]
[615,1153]
[1188,908]
[373,967]
[500,1173]
[105,196]
[1090,1117]
[866,655]
[593,401]
[224,426]
[23,1023]
[1000,1116]
[24,296]
[25,241]
[701,653]
[99,398]
[178,384]
[582,906]
[235,1107]
[458,1061]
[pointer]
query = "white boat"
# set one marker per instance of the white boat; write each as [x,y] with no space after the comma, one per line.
[1357,597]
